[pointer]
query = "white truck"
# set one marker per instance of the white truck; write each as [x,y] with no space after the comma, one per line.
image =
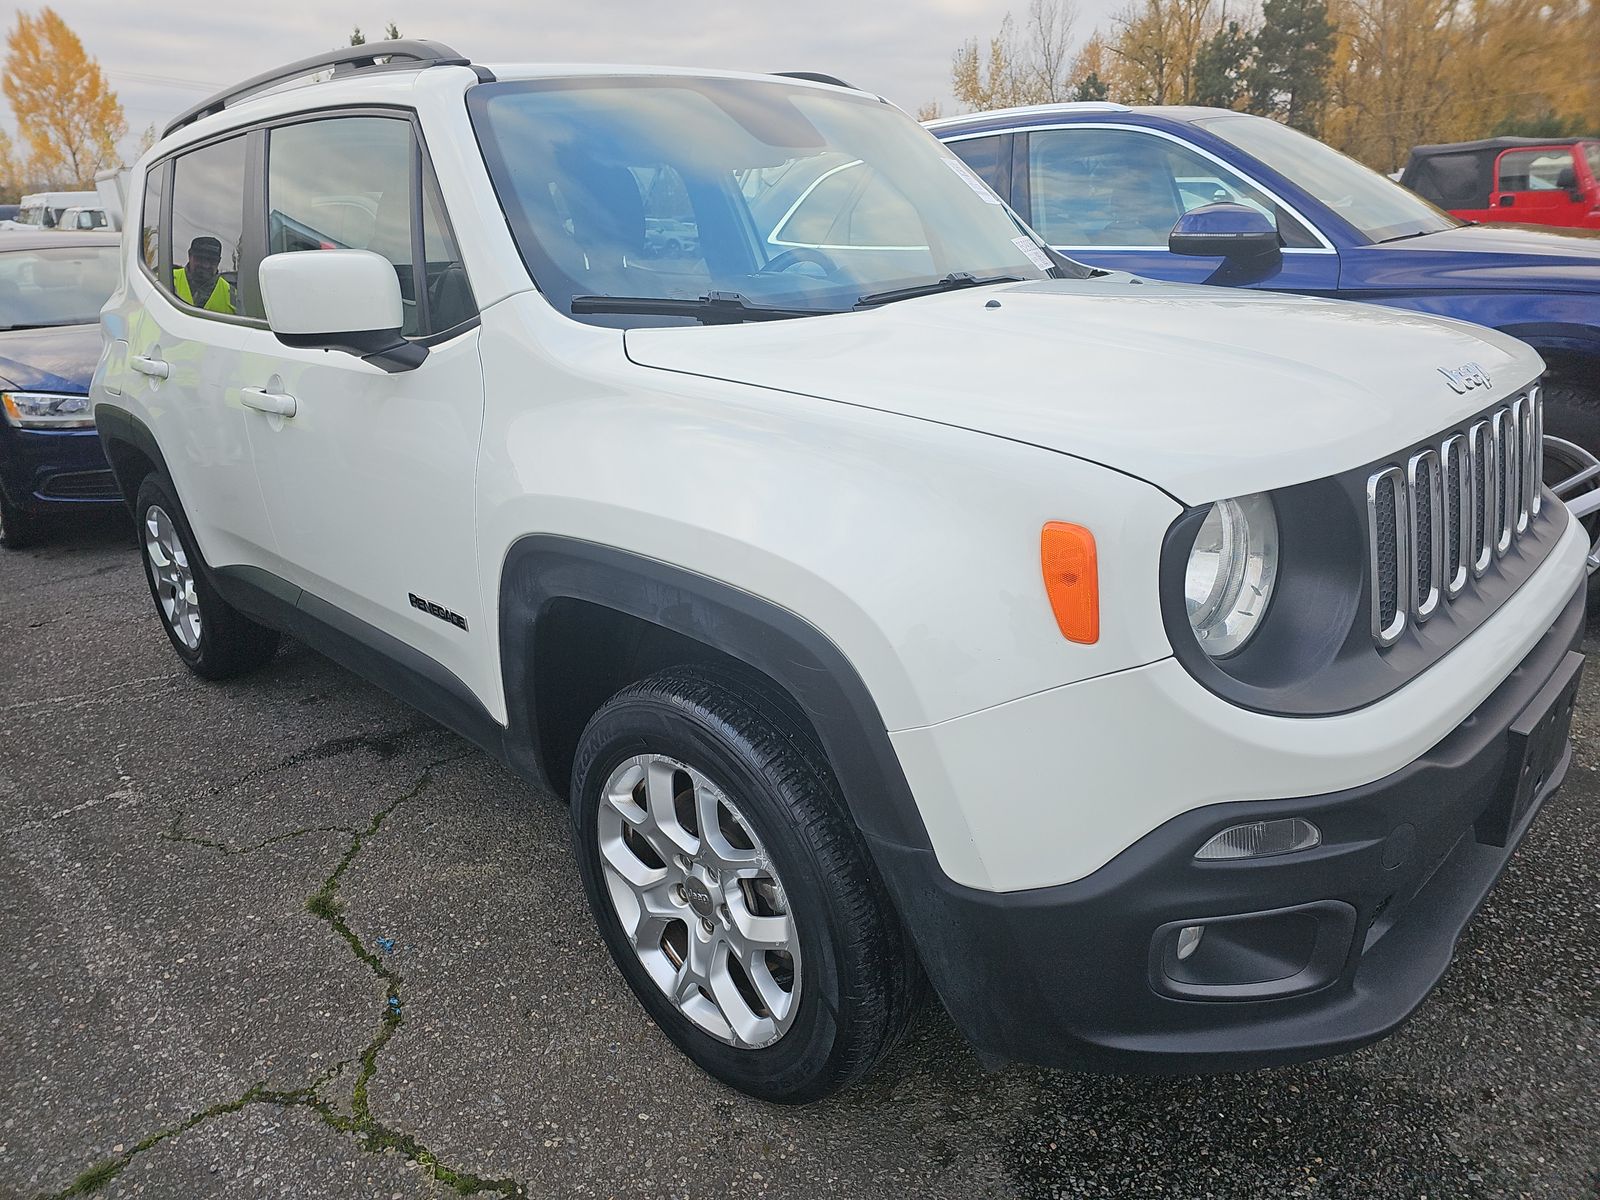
[1163,673]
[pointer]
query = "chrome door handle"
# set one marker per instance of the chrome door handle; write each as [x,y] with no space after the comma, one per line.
[279,404]
[153,367]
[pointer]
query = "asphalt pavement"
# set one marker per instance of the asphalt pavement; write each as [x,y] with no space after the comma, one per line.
[285,937]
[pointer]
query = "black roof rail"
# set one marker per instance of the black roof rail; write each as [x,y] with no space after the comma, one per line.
[403,55]
[817,77]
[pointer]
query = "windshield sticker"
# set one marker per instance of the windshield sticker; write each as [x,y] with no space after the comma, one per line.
[970,178]
[1035,255]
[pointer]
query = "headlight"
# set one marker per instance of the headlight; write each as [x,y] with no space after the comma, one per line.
[47,410]
[1231,570]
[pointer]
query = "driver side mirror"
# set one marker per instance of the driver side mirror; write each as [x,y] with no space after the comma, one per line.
[1230,231]
[345,300]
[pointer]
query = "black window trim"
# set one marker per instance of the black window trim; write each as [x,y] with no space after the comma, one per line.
[254,210]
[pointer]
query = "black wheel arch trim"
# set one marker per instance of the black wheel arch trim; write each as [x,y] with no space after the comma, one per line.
[541,569]
[118,427]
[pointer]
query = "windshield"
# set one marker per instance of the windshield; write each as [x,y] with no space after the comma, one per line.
[1379,208]
[792,198]
[62,285]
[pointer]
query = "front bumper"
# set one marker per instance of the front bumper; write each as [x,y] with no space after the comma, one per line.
[1073,975]
[41,470]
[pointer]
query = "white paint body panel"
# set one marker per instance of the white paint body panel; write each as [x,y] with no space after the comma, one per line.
[883,474]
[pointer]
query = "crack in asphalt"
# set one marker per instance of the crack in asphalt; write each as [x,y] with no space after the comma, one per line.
[372,1134]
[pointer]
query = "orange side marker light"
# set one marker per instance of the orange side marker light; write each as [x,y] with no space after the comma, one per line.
[1071,580]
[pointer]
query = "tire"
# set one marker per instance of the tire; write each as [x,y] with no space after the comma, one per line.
[18,529]
[214,639]
[703,741]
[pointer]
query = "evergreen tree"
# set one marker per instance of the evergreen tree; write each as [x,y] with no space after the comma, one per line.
[357,38]
[1221,69]
[1091,87]
[1293,52]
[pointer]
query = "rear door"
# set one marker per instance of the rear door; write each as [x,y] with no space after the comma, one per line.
[370,484]
[1110,195]
[183,358]
[1539,186]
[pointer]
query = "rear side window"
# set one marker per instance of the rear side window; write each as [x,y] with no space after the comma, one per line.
[208,228]
[352,183]
[983,156]
[150,217]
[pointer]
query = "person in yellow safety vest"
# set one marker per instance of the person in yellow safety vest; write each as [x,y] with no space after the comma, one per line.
[197,281]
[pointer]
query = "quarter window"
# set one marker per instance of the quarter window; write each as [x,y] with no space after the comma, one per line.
[349,183]
[150,217]
[1119,187]
[208,227]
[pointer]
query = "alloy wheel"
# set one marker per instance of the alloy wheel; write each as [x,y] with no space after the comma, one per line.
[699,900]
[168,563]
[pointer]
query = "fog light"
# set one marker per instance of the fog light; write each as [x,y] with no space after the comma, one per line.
[1189,940]
[1262,839]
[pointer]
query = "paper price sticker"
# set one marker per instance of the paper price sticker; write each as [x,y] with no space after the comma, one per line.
[970,178]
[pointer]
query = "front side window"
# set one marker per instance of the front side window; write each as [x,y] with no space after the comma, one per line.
[674,188]
[1549,170]
[208,227]
[1591,151]
[1122,187]
[1376,207]
[347,183]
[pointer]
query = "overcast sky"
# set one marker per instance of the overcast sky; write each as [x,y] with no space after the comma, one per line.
[164,55]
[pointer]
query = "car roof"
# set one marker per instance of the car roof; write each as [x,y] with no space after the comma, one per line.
[1039,114]
[1494,143]
[47,238]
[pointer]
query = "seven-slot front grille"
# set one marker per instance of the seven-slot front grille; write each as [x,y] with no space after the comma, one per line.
[1451,512]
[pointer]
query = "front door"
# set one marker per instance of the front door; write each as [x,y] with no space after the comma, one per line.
[1109,197]
[370,483]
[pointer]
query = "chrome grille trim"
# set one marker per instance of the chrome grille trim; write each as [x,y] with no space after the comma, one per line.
[1447,517]
[1485,496]
[1507,491]
[1460,532]
[1427,534]
[1389,593]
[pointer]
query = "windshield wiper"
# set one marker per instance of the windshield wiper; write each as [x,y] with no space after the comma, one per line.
[714,308]
[951,282]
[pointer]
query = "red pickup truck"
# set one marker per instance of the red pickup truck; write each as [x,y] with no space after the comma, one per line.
[1512,181]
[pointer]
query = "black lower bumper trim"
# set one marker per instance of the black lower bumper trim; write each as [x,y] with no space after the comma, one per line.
[1061,976]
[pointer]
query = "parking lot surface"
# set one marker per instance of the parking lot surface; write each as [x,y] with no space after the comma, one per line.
[285,937]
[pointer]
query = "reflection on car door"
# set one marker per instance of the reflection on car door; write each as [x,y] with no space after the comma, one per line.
[370,483]
[1109,196]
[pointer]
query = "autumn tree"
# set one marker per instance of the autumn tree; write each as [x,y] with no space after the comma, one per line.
[10,174]
[930,111]
[1156,44]
[68,117]
[1026,66]
[1293,52]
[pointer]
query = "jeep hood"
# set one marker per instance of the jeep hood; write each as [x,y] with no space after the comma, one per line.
[1205,392]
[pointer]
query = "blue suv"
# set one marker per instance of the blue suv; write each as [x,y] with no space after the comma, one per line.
[1206,195]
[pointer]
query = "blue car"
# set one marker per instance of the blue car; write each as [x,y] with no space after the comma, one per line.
[1206,195]
[52,286]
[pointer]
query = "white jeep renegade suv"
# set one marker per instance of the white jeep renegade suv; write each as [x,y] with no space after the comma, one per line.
[1163,673]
